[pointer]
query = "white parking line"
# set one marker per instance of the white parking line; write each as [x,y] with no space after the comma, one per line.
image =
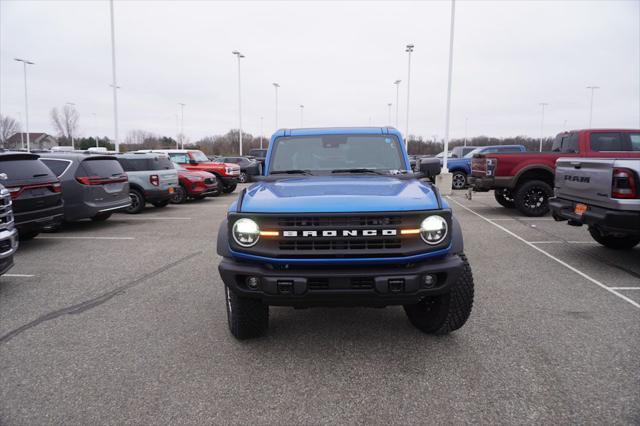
[158,218]
[48,237]
[545,242]
[561,262]
[582,242]
[624,288]
[18,275]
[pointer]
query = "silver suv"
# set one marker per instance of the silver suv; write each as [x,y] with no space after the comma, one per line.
[8,232]
[152,179]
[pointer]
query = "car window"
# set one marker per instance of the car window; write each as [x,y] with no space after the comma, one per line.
[181,158]
[634,139]
[145,164]
[569,143]
[607,142]
[102,167]
[57,166]
[507,149]
[24,169]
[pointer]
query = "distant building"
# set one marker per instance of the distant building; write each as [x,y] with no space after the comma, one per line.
[36,141]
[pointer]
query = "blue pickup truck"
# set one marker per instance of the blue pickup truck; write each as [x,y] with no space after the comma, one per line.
[339,219]
[460,168]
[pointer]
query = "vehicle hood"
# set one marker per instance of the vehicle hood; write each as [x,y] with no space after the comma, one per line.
[339,194]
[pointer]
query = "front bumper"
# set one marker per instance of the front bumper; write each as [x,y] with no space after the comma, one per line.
[613,221]
[354,285]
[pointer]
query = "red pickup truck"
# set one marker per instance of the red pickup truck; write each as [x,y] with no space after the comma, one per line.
[525,180]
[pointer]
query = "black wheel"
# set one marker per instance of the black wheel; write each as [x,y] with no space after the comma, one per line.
[161,204]
[532,198]
[179,196]
[243,178]
[247,318]
[447,312]
[459,180]
[27,235]
[622,242]
[229,189]
[504,197]
[137,202]
[101,217]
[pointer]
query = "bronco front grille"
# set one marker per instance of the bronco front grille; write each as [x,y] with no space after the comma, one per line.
[324,221]
[341,244]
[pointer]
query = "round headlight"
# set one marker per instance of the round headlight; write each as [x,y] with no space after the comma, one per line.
[246,232]
[433,229]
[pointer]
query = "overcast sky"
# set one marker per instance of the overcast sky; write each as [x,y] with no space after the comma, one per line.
[339,59]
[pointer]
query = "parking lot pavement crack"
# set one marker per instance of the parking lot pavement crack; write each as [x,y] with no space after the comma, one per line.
[81,307]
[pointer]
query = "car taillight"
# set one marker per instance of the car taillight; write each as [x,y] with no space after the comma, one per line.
[88,180]
[154,179]
[624,184]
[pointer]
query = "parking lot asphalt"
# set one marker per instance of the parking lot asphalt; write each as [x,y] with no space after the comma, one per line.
[124,322]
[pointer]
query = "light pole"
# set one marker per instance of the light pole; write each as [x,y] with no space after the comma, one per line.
[261,130]
[276,86]
[26,62]
[73,145]
[21,130]
[181,124]
[466,123]
[450,78]
[397,83]
[408,49]
[543,105]
[239,56]
[114,82]
[95,121]
[301,115]
[389,113]
[592,88]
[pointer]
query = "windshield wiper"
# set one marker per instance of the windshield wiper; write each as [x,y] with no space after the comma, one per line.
[359,170]
[291,172]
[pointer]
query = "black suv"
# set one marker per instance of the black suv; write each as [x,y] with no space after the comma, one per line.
[35,191]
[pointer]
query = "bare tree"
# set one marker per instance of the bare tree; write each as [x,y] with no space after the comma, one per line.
[8,126]
[66,121]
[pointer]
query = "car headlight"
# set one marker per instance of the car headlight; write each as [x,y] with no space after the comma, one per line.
[433,230]
[246,232]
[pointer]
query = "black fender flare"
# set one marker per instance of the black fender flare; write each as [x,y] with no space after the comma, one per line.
[222,247]
[457,244]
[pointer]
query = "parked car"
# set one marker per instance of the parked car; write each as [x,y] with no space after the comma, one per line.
[152,179]
[248,167]
[460,168]
[525,180]
[335,222]
[8,232]
[192,159]
[603,194]
[259,155]
[194,185]
[35,191]
[93,186]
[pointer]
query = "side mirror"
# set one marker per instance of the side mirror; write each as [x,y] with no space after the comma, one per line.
[429,167]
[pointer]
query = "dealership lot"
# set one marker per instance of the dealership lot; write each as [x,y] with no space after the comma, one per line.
[124,322]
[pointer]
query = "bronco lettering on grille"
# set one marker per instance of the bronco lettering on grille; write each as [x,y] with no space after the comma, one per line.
[342,233]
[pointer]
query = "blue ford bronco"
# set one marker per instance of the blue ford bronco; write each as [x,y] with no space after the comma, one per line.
[339,219]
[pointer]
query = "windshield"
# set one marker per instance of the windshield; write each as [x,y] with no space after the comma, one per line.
[336,152]
[472,153]
[199,156]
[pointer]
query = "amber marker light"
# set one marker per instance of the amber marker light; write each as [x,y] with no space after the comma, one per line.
[409,231]
[269,233]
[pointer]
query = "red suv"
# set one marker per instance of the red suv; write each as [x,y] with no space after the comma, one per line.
[195,185]
[226,174]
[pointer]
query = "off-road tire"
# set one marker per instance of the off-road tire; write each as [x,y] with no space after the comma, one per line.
[161,204]
[101,217]
[614,242]
[447,312]
[532,198]
[504,197]
[25,236]
[459,180]
[179,196]
[137,202]
[247,318]
[229,188]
